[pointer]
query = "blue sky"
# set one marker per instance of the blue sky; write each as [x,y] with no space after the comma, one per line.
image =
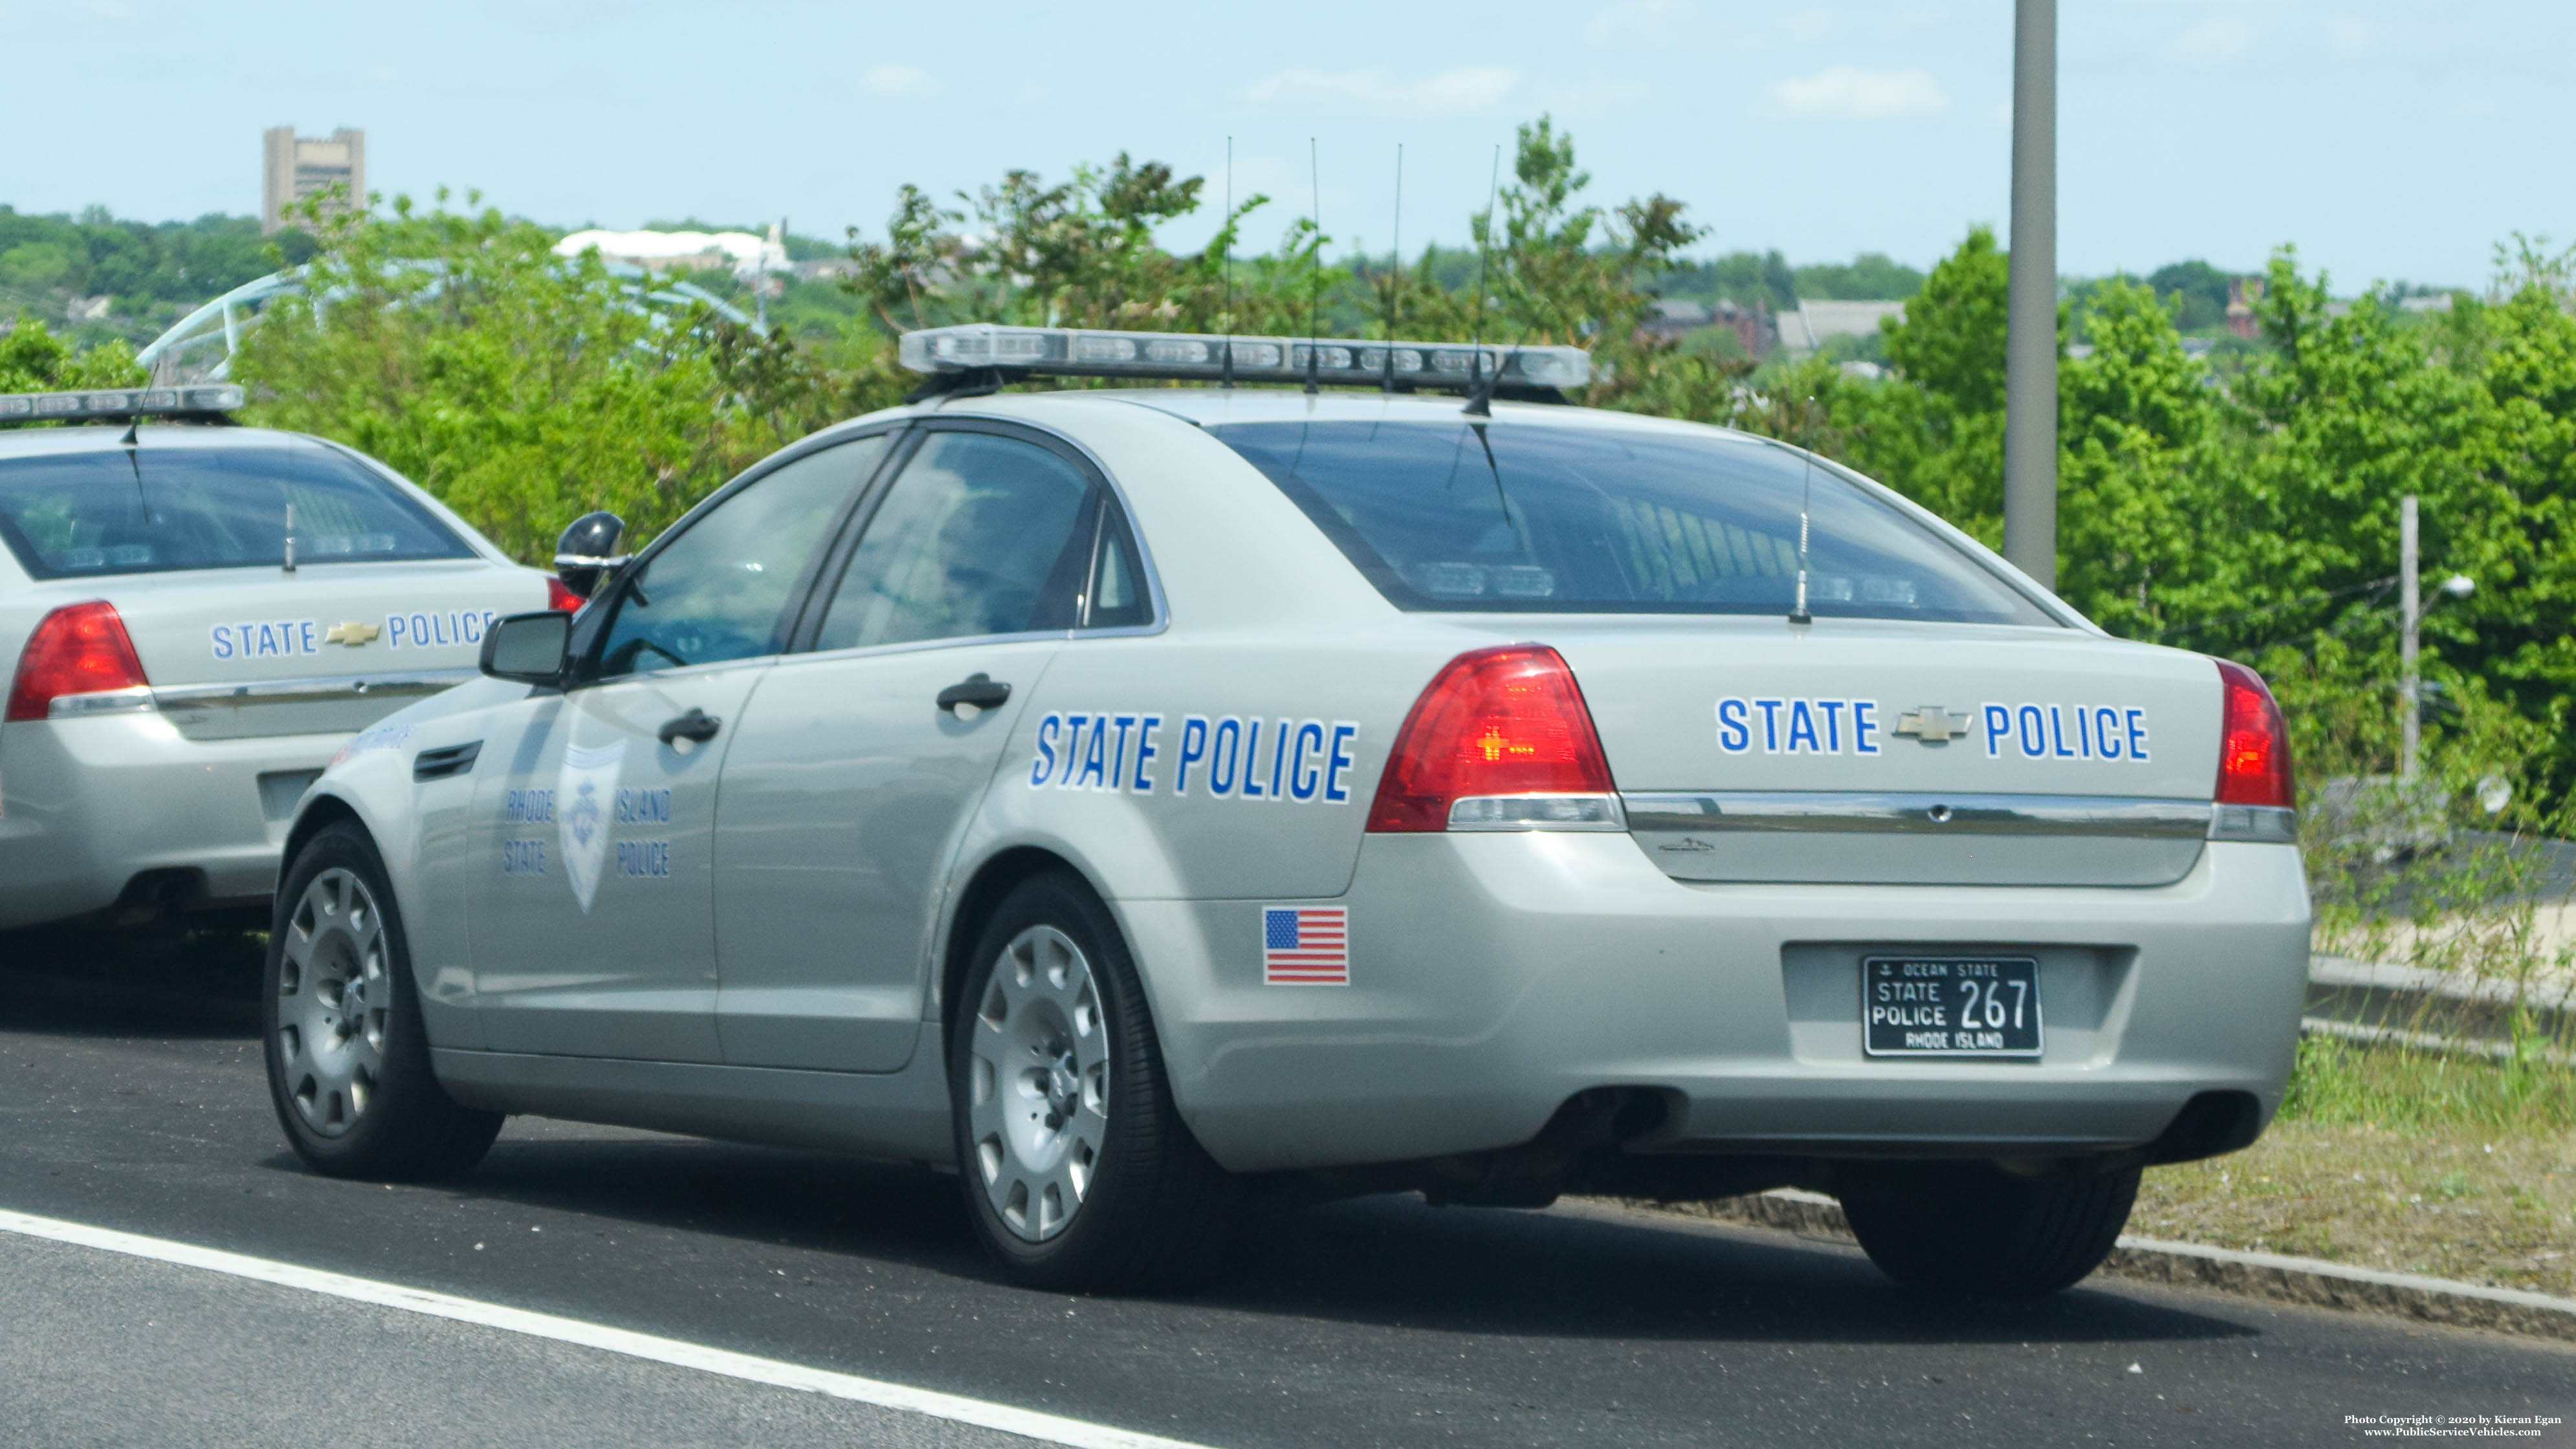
[2387,140]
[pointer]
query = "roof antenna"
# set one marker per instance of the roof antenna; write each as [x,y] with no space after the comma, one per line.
[1225,267]
[1806,494]
[1315,272]
[1480,399]
[1395,289]
[132,425]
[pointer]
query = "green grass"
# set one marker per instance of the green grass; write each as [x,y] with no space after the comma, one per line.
[2345,1084]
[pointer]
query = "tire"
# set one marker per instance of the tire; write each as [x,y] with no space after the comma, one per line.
[353,1089]
[1969,1229]
[1078,1172]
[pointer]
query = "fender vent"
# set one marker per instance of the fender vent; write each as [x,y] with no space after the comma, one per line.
[445,762]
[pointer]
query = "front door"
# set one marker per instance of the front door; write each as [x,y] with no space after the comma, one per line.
[592,921]
[850,784]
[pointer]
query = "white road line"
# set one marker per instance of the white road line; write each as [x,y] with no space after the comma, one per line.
[957,1408]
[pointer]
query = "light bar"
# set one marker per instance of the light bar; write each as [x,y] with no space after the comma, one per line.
[119,402]
[1196,356]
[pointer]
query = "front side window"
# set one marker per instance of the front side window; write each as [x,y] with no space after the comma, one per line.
[163,509]
[980,535]
[721,589]
[1492,517]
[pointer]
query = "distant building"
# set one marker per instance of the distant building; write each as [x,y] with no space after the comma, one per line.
[298,166]
[1674,318]
[2243,293]
[745,255]
[1806,329]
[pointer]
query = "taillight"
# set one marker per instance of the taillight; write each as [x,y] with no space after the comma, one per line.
[1500,740]
[76,649]
[562,599]
[2253,743]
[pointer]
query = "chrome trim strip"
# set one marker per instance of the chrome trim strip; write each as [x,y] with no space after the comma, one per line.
[105,701]
[2267,824]
[1919,813]
[310,691]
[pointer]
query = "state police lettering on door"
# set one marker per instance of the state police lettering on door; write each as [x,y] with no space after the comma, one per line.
[1229,757]
[1798,726]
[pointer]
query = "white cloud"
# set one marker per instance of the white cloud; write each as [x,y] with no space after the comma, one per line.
[1591,98]
[1808,25]
[1847,93]
[898,80]
[1635,21]
[1447,93]
[2216,41]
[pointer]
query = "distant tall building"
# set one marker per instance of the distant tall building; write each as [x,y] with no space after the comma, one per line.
[298,166]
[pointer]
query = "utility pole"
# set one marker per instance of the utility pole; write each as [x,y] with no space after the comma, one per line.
[2030,339]
[2410,613]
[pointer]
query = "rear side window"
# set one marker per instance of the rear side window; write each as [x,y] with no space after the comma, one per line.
[159,510]
[1486,516]
[980,535]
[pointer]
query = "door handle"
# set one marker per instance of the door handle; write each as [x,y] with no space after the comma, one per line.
[696,725]
[978,689]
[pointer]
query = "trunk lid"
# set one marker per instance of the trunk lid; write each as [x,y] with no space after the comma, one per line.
[329,648]
[1750,749]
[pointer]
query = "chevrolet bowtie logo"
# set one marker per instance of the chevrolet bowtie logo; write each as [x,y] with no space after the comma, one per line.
[1933,725]
[351,633]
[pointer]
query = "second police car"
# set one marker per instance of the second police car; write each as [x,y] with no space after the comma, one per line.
[193,620]
[1132,799]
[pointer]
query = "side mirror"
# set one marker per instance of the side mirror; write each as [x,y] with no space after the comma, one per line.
[527,647]
[587,553]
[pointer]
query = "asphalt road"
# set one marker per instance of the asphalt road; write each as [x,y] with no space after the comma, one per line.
[1379,1322]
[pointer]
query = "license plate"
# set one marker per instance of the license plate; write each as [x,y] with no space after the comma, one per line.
[1950,1006]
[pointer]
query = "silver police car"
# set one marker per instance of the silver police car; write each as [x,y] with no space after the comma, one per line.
[1133,799]
[193,620]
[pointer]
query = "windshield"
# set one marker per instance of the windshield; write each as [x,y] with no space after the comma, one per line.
[159,509]
[1487,516]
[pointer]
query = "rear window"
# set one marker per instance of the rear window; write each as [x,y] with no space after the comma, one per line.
[159,509]
[1555,520]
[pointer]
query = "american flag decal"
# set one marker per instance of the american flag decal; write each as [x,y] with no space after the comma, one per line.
[1305,946]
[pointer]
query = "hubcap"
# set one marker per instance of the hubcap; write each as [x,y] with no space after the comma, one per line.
[1039,1083]
[333,991]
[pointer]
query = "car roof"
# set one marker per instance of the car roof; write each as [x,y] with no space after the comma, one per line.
[1209,407]
[103,437]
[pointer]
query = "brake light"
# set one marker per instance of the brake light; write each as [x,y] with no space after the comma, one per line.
[562,599]
[1492,725]
[76,649]
[2253,742]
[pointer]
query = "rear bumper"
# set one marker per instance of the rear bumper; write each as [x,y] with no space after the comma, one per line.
[1495,976]
[86,805]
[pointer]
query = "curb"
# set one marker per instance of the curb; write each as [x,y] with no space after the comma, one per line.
[2311,1282]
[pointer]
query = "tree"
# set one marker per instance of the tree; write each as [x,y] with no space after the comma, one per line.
[33,359]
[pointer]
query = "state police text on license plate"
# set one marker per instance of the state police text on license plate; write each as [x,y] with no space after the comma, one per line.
[1950,1006]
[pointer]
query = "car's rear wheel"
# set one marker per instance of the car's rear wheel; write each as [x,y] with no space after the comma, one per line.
[1973,1230]
[348,1062]
[1077,1169]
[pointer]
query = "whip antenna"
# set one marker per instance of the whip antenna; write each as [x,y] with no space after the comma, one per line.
[1225,264]
[1806,494]
[1478,403]
[1315,260]
[1395,287]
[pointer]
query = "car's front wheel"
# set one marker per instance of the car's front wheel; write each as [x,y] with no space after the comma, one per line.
[1078,1171]
[348,1062]
[1970,1229]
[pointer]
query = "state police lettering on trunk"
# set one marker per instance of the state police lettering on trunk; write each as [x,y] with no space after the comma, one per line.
[436,629]
[265,638]
[2065,732]
[1779,726]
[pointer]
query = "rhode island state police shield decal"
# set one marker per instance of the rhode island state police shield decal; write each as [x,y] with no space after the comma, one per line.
[582,795]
